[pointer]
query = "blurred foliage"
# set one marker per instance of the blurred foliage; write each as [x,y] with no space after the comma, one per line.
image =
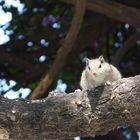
[36,22]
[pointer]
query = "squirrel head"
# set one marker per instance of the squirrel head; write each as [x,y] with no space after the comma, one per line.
[96,66]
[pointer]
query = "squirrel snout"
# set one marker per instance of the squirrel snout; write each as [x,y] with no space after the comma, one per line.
[94,73]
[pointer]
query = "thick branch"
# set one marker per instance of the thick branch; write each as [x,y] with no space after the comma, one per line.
[113,10]
[63,51]
[64,116]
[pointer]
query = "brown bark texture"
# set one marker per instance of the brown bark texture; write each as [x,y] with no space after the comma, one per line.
[81,113]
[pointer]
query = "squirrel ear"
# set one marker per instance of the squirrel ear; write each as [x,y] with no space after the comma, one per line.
[101,58]
[87,61]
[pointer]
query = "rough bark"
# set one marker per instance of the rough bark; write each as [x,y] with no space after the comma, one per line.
[81,113]
[113,10]
[63,52]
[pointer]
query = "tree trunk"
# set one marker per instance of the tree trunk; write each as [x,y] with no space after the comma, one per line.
[81,113]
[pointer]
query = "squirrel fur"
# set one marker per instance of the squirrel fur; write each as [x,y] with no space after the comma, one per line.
[98,72]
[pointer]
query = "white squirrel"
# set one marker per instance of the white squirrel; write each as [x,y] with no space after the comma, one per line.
[98,72]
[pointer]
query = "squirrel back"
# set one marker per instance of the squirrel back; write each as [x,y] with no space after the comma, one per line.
[98,72]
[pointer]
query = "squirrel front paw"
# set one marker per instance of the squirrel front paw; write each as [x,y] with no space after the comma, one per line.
[107,83]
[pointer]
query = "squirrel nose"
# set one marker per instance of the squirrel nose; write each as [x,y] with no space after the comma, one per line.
[94,73]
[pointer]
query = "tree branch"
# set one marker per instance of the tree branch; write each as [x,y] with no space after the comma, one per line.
[127,46]
[113,10]
[63,51]
[80,113]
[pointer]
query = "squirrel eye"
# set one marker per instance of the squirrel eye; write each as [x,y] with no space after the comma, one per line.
[89,68]
[100,66]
